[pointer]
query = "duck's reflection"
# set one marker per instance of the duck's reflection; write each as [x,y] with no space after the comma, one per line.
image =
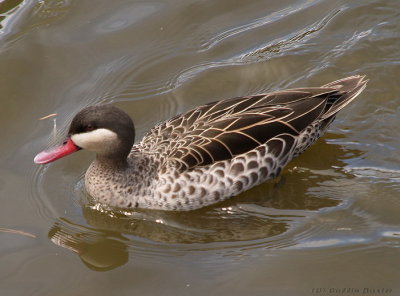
[111,236]
[259,217]
[98,250]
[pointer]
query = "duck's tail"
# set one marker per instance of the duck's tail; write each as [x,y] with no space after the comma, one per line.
[347,90]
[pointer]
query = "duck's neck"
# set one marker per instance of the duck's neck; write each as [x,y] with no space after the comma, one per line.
[113,163]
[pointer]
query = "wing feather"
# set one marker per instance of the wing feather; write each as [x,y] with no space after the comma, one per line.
[227,128]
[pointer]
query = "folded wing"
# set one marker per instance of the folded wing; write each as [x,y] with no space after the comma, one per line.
[225,129]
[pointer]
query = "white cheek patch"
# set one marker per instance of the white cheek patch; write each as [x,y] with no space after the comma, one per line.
[99,140]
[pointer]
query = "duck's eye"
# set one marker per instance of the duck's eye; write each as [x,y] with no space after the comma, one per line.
[89,128]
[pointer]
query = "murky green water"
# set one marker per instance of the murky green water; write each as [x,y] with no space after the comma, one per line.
[330,222]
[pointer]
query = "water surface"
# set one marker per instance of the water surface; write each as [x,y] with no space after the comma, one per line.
[330,221]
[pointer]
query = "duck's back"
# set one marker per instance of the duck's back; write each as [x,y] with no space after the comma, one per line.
[225,129]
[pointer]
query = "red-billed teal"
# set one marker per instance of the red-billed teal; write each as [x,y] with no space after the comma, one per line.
[205,155]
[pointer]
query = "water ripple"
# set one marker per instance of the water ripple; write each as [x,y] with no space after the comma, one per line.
[375,174]
[265,20]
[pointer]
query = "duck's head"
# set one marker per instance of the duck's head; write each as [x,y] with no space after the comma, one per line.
[106,130]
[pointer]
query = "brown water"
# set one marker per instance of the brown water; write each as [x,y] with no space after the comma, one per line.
[330,222]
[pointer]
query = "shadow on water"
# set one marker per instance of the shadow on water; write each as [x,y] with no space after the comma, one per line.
[266,216]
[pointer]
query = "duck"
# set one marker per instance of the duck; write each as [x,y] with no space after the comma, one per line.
[205,155]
